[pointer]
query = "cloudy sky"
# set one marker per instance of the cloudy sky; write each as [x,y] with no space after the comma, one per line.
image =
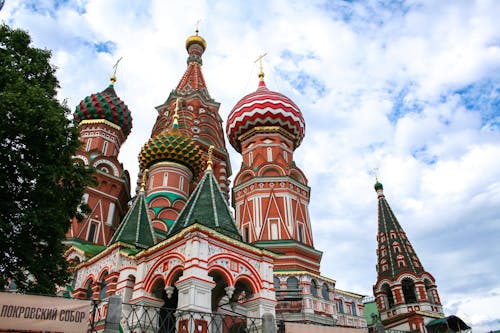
[408,87]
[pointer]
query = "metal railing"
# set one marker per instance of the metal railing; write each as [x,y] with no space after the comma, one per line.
[143,318]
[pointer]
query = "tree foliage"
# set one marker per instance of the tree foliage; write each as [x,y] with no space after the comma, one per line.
[40,186]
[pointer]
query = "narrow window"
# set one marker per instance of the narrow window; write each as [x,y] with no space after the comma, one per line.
[353,309]
[250,158]
[165,179]
[285,155]
[181,183]
[89,144]
[324,292]
[247,235]
[104,285]
[105,147]
[91,235]
[111,214]
[340,306]
[274,230]
[314,288]
[151,182]
[301,233]
[269,154]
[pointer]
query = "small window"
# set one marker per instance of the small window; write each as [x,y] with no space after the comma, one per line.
[91,234]
[181,183]
[151,182]
[250,158]
[314,288]
[353,309]
[247,234]
[340,306]
[324,292]
[292,283]
[269,154]
[88,290]
[105,147]
[274,230]
[165,179]
[104,288]
[301,233]
[285,155]
[89,144]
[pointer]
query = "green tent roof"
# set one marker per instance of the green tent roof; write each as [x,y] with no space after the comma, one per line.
[207,206]
[136,228]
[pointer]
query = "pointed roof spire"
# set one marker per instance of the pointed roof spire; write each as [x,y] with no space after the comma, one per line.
[395,252]
[207,206]
[193,77]
[136,228]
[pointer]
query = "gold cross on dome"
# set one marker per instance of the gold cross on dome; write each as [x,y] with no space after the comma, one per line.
[197,26]
[259,59]
[115,67]
[374,172]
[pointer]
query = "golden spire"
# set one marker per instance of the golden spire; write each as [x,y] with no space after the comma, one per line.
[113,75]
[210,162]
[197,26]
[143,181]
[259,59]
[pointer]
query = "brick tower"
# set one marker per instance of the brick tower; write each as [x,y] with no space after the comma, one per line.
[105,122]
[406,294]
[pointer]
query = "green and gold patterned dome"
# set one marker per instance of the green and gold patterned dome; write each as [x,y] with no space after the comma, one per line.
[171,146]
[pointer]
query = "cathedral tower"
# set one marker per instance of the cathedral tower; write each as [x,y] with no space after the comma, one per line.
[198,113]
[270,194]
[406,294]
[105,122]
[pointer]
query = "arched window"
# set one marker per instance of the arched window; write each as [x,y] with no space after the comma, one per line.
[353,309]
[324,292]
[277,285]
[388,296]
[314,288]
[340,306]
[408,287]
[88,289]
[104,287]
[428,291]
[269,154]
[129,288]
[292,283]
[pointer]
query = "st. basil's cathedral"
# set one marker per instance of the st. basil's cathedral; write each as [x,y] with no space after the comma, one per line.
[178,244]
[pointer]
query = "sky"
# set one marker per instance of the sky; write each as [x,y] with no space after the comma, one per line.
[410,89]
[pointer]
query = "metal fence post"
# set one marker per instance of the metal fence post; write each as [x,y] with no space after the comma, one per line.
[268,323]
[113,315]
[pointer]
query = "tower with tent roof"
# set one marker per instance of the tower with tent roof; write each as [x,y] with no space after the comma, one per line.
[406,294]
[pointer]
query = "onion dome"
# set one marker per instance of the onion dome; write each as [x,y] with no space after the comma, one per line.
[195,45]
[378,186]
[105,105]
[265,108]
[171,146]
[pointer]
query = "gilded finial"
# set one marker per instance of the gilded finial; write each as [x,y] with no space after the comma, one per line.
[143,181]
[115,67]
[261,72]
[210,162]
[175,124]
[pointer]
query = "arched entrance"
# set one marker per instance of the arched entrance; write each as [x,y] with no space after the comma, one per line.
[170,296]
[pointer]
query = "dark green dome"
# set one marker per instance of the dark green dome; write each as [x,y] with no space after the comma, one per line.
[378,186]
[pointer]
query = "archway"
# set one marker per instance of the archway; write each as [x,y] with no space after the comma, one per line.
[408,287]
[170,296]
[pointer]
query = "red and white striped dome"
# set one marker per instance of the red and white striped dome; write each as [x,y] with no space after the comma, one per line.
[264,108]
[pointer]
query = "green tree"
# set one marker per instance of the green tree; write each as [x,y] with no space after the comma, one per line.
[40,186]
